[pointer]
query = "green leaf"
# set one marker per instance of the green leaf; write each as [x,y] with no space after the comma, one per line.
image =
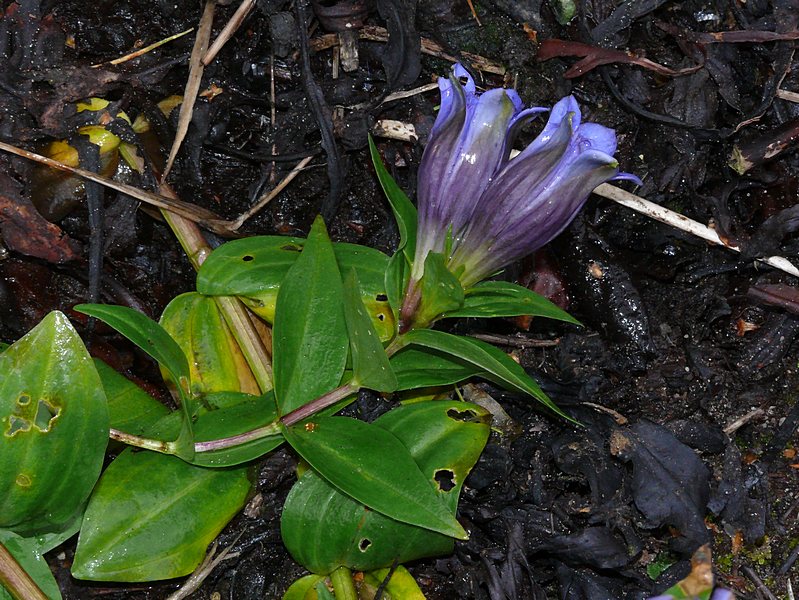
[152,517]
[370,368]
[309,335]
[155,341]
[401,586]
[324,528]
[130,408]
[322,593]
[3,346]
[144,332]
[249,266]
[441,290]
[53,427]
[404,210]
[216,363]
[419,367]
[300,589]
[29,557]
[503,299]
[374,467]
[253,269]
[497,366]
[397,275]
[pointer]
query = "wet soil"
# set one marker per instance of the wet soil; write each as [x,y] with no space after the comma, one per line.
[684,374]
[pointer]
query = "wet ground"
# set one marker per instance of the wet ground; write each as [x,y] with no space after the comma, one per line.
[685,372]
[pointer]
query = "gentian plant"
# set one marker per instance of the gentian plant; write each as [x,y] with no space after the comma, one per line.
[344,318]
[480,209]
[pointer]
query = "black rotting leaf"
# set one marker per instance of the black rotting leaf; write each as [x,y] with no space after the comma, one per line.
[741,498]
[606,291]
[584,453]
[670,483]
[402,54]
[584,584]
[596,547]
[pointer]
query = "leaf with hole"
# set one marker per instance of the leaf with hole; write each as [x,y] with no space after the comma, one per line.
[215,361]
[324,528]
[370,367]
[155,341]
[152,517]
[310,334]
[497,366]
[53,427]
[371,465]
[503,299]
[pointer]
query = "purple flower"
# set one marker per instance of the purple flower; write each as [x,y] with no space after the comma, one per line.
[484,209]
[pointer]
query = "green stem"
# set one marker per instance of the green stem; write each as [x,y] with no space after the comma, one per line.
[343,587]
[14,578]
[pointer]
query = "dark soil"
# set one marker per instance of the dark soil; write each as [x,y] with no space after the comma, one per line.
[685,372]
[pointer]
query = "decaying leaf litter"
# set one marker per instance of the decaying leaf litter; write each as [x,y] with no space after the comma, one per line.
[684,373]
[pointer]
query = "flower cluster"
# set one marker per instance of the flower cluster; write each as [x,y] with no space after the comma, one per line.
[484,209]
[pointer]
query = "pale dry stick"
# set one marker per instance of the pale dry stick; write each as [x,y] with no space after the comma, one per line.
[395,130]
[408,93]
[474,12]
[429,47]
[233,311]
[196,214]
[142,51]
[272,114]
[193,83]
[669,217]
[789,96]
[743,420]
[266,198]
[230,28]
[211,560]
[790,590]
[397,96]
[184,218]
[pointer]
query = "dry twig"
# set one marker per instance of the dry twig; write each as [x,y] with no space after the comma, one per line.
[193,83]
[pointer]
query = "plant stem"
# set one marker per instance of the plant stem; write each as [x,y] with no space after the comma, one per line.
[140,442]
[238,440]
[343,587]
[321,403]
[234,313]
[14,578]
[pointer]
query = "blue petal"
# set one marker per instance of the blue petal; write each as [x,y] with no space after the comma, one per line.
[451,101]
[461,73]
[478,155]
[597,137]
[627,177]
